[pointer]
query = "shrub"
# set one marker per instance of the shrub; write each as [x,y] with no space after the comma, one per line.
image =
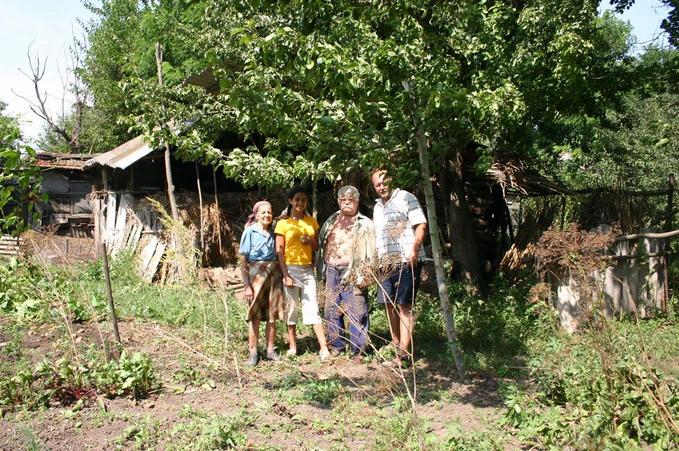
[594,395]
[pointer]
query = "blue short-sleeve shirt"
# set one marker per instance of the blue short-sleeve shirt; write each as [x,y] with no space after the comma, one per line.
[256,244]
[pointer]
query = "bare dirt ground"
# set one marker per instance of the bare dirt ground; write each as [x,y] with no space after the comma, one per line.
[291,404]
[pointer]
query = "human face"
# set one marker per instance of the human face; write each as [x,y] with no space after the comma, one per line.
[264,215]
[298,202]
[381,182]
[348,205]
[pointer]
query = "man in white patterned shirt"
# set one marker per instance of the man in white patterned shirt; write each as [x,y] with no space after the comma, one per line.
[400,228]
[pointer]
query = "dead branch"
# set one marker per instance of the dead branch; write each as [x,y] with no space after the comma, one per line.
[37,68]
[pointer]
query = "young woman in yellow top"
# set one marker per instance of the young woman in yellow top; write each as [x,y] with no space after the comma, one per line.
[295,245]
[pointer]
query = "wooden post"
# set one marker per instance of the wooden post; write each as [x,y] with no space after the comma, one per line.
[104,178]
[109,293]
[218,225]
[200,204]
[314,197]
[669,213]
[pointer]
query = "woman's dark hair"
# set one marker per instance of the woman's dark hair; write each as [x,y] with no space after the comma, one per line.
[294,190]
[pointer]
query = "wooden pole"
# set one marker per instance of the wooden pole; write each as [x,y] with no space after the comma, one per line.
[218,225]
[668,226]
[314,197]
[200,204]
[109,293]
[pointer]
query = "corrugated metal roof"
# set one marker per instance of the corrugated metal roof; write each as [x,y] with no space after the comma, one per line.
[124,155]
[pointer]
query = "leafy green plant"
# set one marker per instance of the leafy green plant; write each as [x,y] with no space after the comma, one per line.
[203,431]
[17,292]
[322,392]
[130,375]
[65,381]
[189,375]
[458,440]
[143,434]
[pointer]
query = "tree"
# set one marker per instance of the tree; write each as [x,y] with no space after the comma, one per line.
[121,51]
[19,177]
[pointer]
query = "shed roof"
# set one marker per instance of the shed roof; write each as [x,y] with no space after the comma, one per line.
[514,176]
[124,155]
[53,160]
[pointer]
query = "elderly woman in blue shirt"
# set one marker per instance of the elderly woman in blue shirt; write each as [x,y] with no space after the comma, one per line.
[261,279]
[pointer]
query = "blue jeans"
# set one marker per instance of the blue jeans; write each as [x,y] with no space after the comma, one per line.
[346,313]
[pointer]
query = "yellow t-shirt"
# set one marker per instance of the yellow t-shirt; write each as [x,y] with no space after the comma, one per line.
[297,253]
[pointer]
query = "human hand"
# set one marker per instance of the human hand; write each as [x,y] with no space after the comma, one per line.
[304,239]
[248,295]
[287,281]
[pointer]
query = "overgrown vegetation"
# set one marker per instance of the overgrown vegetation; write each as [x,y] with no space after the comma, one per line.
[612,385]
[599,389]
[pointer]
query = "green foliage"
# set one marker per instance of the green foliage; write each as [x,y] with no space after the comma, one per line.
[323,392]
[400,431]
[208,432]
[598,390]
[122,37]
[189,375]
[19,178]
[459,440]
[144,434]
[495,329]
[16,289]
[66,381]
[31,290]
[130,375]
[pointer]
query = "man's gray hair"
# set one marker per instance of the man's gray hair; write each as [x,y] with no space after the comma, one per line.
[348,190]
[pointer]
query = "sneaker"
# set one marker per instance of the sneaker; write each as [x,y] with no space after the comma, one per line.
[291,352]
[271,355]
[324,355]
[252,360]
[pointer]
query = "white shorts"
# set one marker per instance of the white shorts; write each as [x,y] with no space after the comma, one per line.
[302,292]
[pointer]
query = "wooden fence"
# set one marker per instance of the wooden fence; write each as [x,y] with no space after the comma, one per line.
[9,246]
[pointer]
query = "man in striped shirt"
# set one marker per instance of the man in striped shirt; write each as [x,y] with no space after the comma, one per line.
[400,228]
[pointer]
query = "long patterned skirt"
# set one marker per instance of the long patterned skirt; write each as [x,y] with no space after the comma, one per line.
[268,302]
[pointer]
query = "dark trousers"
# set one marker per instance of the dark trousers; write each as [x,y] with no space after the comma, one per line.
[346,312]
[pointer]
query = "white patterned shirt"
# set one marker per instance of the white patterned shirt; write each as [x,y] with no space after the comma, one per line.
[395,222]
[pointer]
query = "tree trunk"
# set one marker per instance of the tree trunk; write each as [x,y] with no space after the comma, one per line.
[314,197]
[465,250]
[200,205]
[441,279]
[168,166]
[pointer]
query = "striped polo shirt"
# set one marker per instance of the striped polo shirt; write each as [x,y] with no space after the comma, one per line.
[394,222]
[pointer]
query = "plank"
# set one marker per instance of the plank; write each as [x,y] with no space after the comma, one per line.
[146,254]
[155,261]
[110,215]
